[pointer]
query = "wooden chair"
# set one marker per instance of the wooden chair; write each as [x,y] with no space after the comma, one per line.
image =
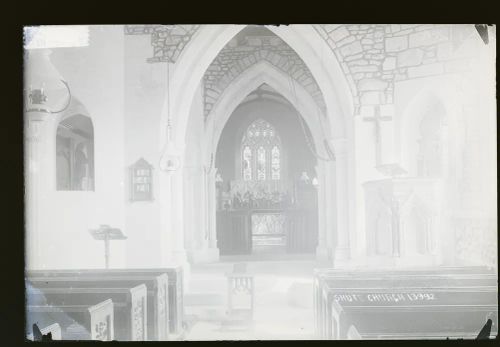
[240,282]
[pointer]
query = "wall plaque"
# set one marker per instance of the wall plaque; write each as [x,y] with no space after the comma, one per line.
[141,181]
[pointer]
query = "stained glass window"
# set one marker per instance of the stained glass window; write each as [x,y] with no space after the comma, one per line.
[247,163]
[261,164]
[275,163]
[261,152]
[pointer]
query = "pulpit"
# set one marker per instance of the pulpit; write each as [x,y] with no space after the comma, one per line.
[401,219]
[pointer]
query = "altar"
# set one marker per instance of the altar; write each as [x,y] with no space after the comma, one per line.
[268,231]
[258,231]
[268,221]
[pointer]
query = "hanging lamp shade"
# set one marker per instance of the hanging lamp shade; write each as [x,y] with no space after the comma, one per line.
[170,159]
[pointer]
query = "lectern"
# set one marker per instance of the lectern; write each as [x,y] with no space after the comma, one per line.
[106,234]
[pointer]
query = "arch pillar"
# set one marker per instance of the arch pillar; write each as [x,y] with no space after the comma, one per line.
[172,220]
[212,210]
[342,252]
[40,152]
[191,210]
[204,248]
[323,209]
[177,204]
[35,148]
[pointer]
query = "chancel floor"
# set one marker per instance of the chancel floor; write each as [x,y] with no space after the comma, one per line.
[282,300]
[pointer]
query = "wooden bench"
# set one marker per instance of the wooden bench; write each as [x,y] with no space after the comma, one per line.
[480,275]
[157,293]
[328,283]
[175,286]
[354,334]
[96,320]
[349,289]
[422,312]
[54,329]
[130,306]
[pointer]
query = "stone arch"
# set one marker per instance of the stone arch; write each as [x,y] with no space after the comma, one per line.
[51,124]
[186,76]
[279,54]
[75,153]
[209,40]
[408,125]
[248,81]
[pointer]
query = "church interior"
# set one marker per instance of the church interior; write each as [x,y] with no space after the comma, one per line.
[251,182]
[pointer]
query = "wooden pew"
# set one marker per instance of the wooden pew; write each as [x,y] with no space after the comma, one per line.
[479,273]
[130,306]
[157,293]
[97,320]
[175,286]
[328,282]
[337,286]
[423,313]
[354,334]
[54,329]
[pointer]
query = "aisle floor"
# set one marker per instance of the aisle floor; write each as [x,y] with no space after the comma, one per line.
[282,307]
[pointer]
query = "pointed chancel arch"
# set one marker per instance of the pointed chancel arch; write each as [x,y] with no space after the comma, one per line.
[247,82]
[210,39]
[186,75]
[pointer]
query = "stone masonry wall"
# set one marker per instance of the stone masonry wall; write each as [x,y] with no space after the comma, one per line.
[168,41]
[374,57]
[236,57]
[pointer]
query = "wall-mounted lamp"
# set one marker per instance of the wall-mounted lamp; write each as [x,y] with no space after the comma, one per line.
[304,177]
[45,88]
[315,182]
[218,178]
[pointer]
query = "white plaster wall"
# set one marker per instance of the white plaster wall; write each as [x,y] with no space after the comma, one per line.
[194,197]
[145,86]
[95,75]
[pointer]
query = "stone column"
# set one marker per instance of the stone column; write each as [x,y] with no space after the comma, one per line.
[191,209]
[212,213]
[164,197]
[33,144]
[202,248]
[342,250]
[177,217]
[203,235]
[330,207]
[179,254]
[322,248]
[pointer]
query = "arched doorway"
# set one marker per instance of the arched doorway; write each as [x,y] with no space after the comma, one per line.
[267,201]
